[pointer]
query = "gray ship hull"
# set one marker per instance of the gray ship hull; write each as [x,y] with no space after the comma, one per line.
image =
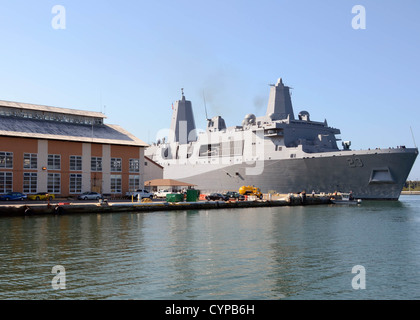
[278,153]
[373,174]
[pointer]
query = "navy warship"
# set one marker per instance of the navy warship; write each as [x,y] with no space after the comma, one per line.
[277,153]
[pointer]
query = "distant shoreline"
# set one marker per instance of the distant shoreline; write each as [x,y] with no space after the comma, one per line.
[410,192]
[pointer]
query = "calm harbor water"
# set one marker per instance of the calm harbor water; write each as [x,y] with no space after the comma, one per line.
[266,253]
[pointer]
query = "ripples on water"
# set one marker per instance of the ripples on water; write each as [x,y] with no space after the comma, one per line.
[265,253]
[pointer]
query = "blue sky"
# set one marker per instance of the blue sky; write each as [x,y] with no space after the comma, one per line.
[130,59]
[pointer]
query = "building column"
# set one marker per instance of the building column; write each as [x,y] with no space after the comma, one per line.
[42,182]
[106,168]
[86,166]
[141,167]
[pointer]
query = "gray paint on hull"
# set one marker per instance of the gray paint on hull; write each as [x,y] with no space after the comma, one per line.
[322,174]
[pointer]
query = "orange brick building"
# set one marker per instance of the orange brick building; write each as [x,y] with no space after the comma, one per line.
[66,152]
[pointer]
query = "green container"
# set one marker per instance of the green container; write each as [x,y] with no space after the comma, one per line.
[192,195]
[174,197]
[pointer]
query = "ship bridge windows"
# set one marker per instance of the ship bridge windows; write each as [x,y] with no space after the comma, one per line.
[223,149]
[237,148]
[209,150]
[273,132]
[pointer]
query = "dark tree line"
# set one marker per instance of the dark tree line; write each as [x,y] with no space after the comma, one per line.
[412,185]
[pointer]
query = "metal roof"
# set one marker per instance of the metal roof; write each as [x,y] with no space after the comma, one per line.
[35,107]
[42,129]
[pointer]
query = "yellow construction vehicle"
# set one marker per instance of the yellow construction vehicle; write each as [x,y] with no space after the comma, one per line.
[250,191]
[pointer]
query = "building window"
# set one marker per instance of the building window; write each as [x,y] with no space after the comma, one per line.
[133,183]
[54,183]
[96,164]
[54,162]
[6,182]
[75,183]
[6,160]
[76,163]
[116,164]
[30,160]
[134,165]
[116,184]
[30,182]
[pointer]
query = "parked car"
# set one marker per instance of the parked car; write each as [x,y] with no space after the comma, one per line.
[140,194]
[13,196]
[217,196]
[89,196]
[234,195]
[41,196]
[161,193]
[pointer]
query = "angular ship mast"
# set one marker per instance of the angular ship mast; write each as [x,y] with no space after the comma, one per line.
[279,102]
[182,128]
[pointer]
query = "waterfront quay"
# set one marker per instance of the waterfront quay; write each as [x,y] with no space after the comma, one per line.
[410,192]
[104,206]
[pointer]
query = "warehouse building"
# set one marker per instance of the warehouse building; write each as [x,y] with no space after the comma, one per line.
[66,152]
[152,170]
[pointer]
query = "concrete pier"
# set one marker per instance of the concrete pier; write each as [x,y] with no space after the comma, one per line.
[111,207]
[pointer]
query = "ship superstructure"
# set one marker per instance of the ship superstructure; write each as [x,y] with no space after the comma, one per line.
[278,153]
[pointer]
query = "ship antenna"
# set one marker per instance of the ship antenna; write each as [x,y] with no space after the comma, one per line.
[414,140]
[205,107]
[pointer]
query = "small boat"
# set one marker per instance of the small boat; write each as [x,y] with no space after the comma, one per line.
[346,198]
